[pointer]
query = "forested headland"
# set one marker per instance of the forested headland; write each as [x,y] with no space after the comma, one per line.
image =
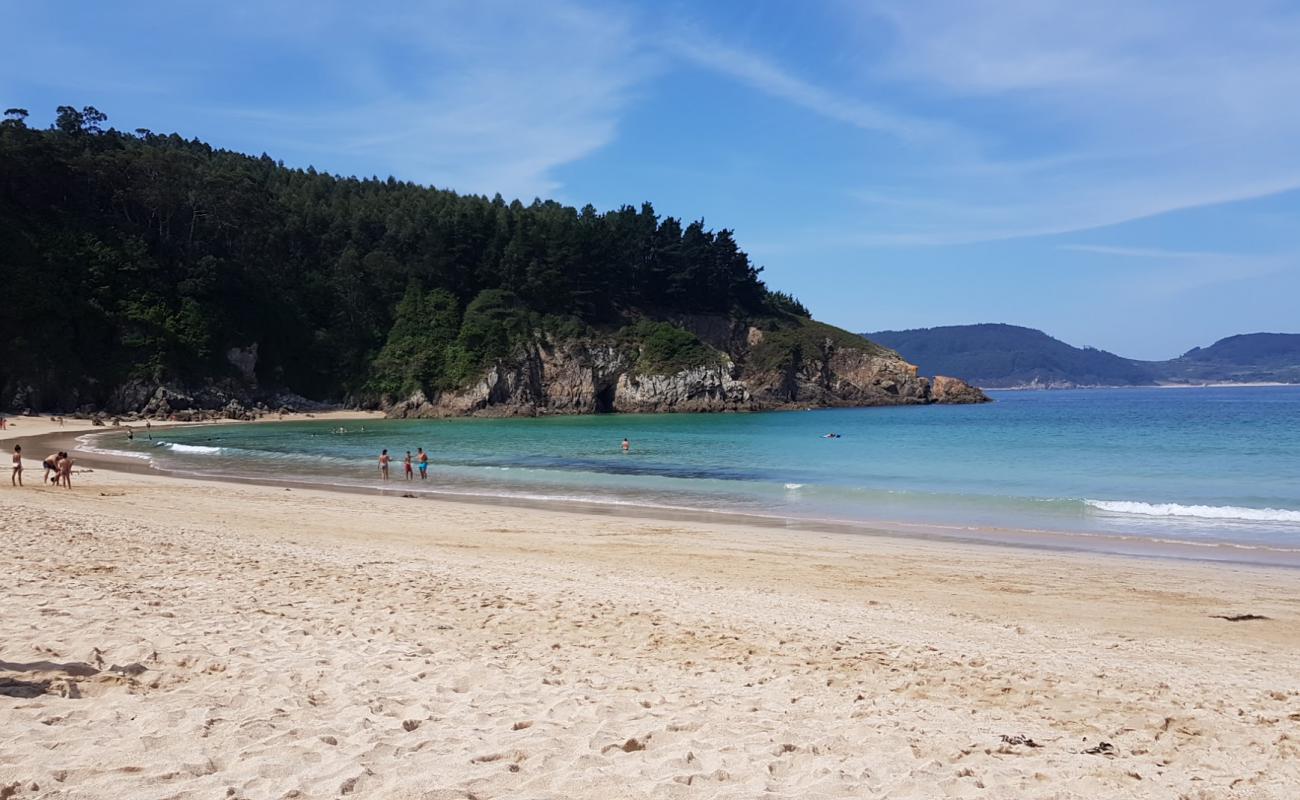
[136,260]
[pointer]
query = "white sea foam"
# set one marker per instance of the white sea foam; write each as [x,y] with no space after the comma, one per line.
[794,486]
[1199,512]
[87,444]
[192,448]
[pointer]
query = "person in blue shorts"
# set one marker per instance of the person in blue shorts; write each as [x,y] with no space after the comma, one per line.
[423,463]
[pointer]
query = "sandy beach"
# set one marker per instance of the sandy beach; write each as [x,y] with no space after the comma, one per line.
[183,639]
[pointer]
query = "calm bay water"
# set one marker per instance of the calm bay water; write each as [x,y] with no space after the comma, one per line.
[1195,465]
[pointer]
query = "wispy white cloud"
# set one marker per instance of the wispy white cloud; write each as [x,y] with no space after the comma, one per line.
[773,79]
[1158,253]
[1052,117]
[1182,275]
[487,97]
[476,96]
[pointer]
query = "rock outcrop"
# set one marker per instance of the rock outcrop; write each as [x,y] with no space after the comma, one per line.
[955,391]
[578,377]
[745,369]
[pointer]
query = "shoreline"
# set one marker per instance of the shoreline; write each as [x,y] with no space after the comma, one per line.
[1016,539]
[182,638]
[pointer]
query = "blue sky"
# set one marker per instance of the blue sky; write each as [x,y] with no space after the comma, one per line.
[1121,174]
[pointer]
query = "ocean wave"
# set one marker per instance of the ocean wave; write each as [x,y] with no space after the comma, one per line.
[88,444]
[1199,512]
[176,447]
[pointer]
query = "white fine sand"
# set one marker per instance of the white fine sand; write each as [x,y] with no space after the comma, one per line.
[163,638]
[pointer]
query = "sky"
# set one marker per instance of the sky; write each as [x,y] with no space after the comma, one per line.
[1122,174]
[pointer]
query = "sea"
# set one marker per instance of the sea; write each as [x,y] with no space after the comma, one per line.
[1217,468]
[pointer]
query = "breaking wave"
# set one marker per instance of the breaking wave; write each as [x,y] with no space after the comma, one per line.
[1199,512]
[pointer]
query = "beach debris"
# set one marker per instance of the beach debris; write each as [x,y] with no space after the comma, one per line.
[630,746]
[410,725]
[1240,617]
[1102,749]
[1019,740]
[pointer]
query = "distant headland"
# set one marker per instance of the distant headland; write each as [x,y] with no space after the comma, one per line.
[997,356]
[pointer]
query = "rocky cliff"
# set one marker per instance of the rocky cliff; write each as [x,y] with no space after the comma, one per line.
[752,369]
[726,366]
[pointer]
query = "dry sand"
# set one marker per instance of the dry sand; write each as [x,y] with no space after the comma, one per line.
[164,638]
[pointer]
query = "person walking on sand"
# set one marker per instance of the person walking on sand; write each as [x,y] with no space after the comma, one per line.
[627,446]
[407,472]
[424,463]
[16,478]
[383,465]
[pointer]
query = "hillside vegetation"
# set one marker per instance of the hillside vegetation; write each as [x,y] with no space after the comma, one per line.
[137,259]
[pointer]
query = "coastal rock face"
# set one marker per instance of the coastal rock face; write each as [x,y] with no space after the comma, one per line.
[955,391]
[578,377]
[707,388]
[582,378]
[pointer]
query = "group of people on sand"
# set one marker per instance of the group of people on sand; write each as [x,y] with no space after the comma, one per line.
[409,464]
[58,469]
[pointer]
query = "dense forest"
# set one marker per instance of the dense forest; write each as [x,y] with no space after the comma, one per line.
[153,258]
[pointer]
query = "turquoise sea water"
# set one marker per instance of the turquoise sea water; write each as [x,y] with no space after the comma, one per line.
[1193,465]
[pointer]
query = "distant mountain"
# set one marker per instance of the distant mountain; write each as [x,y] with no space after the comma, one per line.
[996,355]
[1249,357]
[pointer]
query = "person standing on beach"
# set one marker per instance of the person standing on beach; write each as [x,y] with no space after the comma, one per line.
[17,477]
[383,464]
[65,471]
[424,463]
[407,472]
